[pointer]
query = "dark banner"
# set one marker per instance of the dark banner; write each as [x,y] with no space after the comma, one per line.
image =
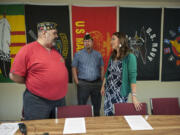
[59,14]
[142,26]
[171,45]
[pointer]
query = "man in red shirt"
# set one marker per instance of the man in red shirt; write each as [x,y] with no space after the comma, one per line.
[44,73]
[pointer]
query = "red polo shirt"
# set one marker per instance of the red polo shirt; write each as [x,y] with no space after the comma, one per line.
[45,72]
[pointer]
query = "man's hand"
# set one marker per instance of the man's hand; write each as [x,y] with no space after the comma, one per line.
[16,78]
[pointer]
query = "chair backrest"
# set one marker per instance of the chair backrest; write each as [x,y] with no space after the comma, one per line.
[165,106]
[75,111]
[129,109]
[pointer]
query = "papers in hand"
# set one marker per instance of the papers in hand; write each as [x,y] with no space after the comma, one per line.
[137,122]
[74,125]
[8,128]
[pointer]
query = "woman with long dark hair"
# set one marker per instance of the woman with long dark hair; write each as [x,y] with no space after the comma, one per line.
[120,77]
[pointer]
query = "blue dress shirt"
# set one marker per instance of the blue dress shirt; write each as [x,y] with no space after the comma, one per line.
[88,64]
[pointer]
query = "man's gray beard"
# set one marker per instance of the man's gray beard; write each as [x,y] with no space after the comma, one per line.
[54,43]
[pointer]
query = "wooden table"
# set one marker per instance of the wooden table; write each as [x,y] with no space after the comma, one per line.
[115,125]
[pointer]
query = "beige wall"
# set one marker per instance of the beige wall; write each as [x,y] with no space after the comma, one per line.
[11,93]
[11,96]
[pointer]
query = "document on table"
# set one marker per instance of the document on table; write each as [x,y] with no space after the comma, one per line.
[8,128]
[137,122]
[74,125]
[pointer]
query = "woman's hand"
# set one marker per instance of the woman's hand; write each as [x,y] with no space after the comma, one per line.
[102,90]
[137,105]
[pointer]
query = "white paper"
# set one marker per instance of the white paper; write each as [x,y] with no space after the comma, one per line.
[137,122]
[8,128]
[74,125]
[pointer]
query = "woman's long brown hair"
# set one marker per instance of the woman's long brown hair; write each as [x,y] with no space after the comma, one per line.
[124,50]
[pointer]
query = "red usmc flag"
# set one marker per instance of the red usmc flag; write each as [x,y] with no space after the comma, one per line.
[100,22]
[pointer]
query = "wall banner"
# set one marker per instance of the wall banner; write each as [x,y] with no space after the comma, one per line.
[100,22]
[12,37]
[142,26]
[58,14]
[171,45]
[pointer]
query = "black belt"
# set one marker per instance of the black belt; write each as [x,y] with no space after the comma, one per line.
[90,81]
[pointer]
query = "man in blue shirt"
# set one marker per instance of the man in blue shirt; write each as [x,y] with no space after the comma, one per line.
[88,73]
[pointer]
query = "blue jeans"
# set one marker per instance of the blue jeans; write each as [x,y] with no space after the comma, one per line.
[36,107]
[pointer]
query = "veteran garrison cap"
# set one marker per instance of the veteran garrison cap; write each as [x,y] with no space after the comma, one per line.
[46,26]
[87,36]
